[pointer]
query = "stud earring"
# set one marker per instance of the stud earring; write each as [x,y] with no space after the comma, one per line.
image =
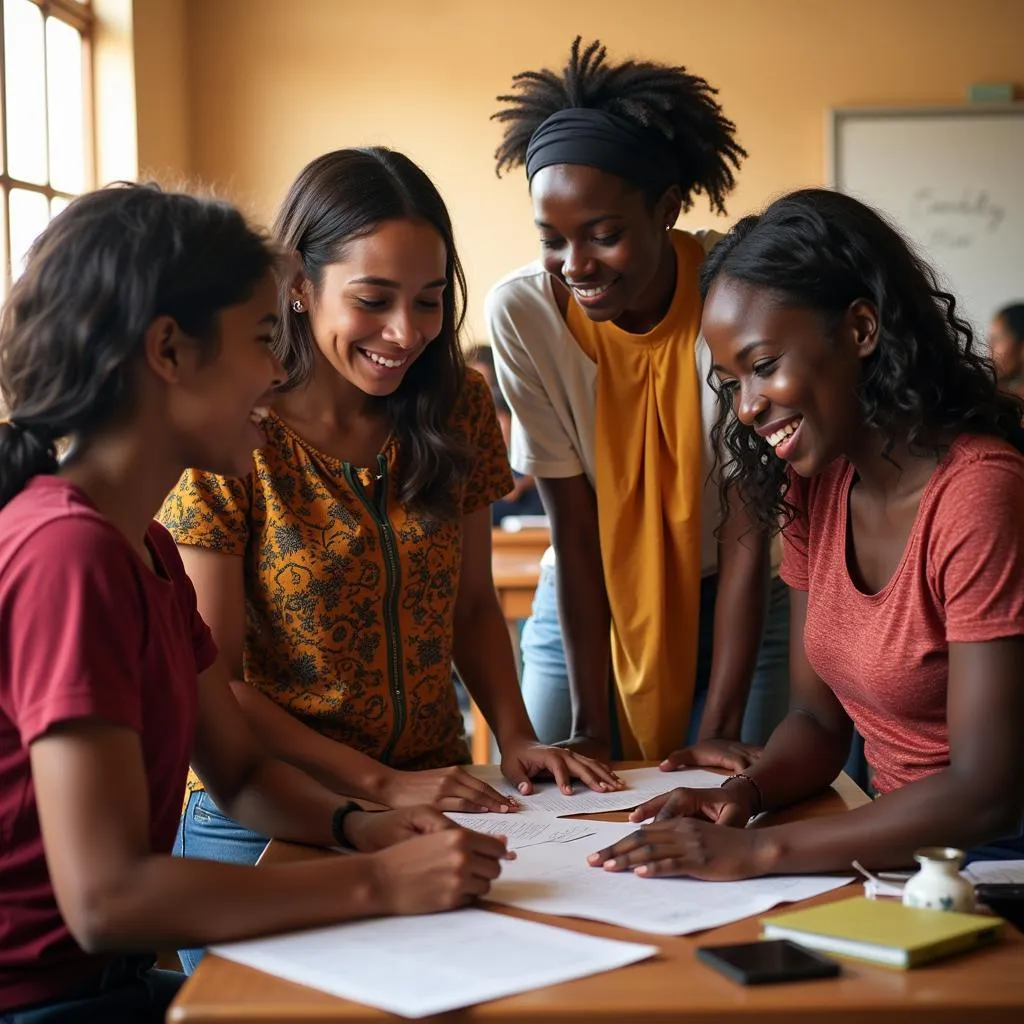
[298,306]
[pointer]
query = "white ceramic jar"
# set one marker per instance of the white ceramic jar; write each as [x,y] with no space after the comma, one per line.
[938,885]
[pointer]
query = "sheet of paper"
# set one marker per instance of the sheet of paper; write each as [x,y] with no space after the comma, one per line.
[419,966]
[643,783]
[556,879]
[995,872]
[524,828]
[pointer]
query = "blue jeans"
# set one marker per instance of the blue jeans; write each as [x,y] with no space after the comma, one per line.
[129,991]
[207,833]
[546,681]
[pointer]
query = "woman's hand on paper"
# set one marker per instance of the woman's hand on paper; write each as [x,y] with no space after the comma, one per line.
[448,789]
[713,753]
[588,746]
[442,871]
[686,846]
[725,805]
[522,761]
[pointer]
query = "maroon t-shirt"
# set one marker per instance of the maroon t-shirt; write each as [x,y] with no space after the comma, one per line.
[961,580]
[87,629]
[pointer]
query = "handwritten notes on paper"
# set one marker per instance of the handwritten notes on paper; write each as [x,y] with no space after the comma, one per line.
[954,219]
[524,828]
[419,966]
[555,879]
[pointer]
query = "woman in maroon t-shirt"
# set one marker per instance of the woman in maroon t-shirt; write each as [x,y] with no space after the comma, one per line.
[138,339]
[857,410]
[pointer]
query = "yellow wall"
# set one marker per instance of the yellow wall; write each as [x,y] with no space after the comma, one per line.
[161,89]
[272,83]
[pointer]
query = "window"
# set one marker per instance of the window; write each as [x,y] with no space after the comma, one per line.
[45,119]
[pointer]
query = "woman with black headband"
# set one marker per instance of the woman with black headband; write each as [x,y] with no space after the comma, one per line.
[598,354]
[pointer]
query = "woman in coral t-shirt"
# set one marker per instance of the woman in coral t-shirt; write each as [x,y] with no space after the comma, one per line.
[858,409]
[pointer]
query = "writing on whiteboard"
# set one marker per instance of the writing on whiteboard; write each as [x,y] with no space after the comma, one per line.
[944,220]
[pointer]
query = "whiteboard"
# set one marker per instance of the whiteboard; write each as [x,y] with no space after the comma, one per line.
[952,179]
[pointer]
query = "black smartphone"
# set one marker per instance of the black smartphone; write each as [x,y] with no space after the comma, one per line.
[1005,899]
[763,963]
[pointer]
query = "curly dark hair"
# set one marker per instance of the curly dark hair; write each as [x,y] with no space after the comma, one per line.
[925,380]
[345,195]
[72,330]
[666,99]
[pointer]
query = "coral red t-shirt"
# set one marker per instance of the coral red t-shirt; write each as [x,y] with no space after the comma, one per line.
[961,580]
[87,629]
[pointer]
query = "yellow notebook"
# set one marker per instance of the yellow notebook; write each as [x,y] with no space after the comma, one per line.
[883,931]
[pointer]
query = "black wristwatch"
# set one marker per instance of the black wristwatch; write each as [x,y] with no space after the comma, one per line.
[338,824]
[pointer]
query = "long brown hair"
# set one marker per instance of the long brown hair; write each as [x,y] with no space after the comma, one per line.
[345,195]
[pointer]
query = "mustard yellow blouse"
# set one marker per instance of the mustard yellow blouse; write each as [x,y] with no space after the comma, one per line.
[649,468]
[350,595]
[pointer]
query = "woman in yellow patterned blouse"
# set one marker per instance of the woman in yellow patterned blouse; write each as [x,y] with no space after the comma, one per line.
[352,566]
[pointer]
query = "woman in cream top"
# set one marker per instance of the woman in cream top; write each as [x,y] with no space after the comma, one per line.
[599,355]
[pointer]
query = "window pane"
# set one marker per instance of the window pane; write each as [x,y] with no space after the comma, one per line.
[58,203]
[30,213]
[26,91]
[66,101]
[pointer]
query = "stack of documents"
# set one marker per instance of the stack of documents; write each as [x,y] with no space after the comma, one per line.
[418,966]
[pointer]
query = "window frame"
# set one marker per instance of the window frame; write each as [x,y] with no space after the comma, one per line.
[79,15]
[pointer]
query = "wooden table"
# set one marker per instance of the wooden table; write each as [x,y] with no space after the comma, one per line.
[516,573]
[515,565]
[984,987]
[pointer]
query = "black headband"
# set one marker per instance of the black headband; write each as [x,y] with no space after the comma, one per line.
[595,138]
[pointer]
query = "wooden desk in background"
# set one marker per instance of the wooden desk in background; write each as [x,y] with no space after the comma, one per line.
[515,564]
[984,987]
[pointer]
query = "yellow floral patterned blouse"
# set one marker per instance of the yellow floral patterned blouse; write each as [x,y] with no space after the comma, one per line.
[350,596]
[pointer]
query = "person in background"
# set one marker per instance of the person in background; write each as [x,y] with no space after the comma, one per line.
[1006,346]
[349,566]
[523,499]
[599,357]
[481,359]
[138,338]
[862,415]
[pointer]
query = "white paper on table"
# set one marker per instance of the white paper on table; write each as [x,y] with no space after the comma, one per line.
[418,966]
[556,879]
[995,872]
[644,784]
[524,828]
